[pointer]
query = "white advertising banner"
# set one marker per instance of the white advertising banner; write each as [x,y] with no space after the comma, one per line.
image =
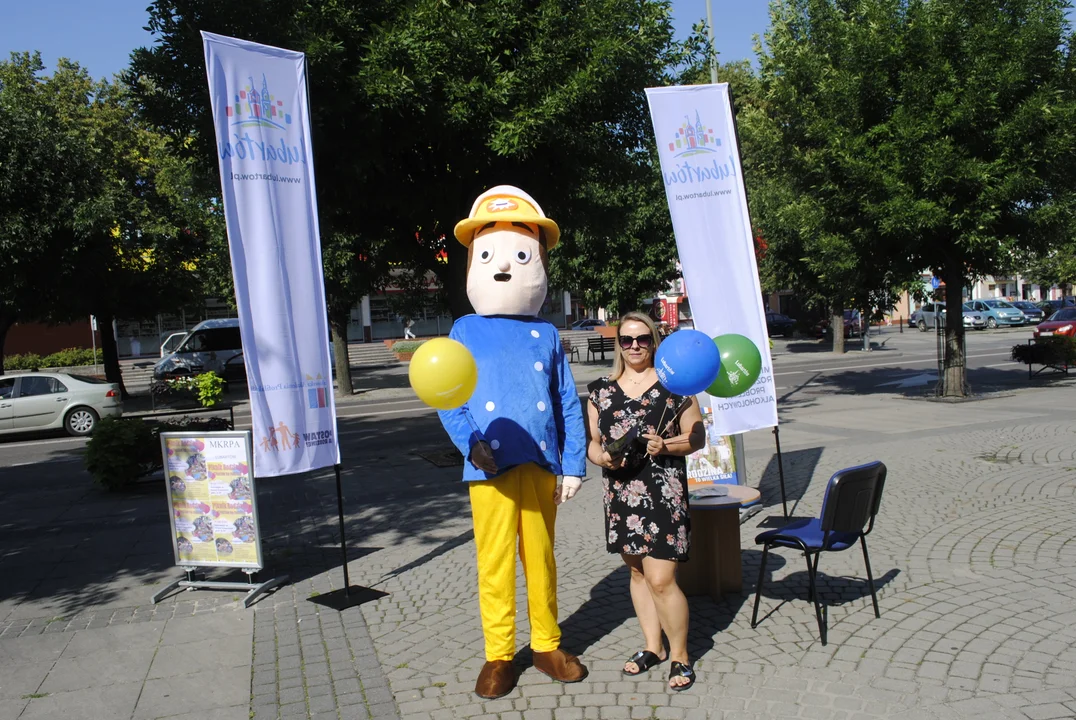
[700,166]
[262,121]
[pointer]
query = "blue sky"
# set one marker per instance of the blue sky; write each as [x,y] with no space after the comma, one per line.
[100,35]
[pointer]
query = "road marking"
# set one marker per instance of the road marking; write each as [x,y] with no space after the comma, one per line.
[39,443]
[904,361]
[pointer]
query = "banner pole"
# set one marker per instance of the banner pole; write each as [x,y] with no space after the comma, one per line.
[343,537]
[780,467]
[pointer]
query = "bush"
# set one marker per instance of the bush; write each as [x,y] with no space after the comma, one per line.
[406,346]
[121,450]
[1057,350]
[71,357]
[207,388]
[30,361]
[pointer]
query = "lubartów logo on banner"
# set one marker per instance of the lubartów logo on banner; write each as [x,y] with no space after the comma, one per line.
[254,108]
[699,155]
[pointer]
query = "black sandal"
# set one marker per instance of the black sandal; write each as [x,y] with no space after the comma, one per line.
[678,669]
[644,660]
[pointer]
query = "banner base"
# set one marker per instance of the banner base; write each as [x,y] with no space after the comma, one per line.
[253,589]
[347,597]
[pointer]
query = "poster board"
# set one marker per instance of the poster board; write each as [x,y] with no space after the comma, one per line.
[212,502]
[719,461]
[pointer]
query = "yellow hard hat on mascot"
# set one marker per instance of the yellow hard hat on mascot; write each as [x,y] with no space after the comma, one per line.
[509,204]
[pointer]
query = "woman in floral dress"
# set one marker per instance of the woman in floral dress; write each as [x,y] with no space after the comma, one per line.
[645,481]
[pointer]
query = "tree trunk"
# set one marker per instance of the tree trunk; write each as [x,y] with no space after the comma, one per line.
[953,381]
[339,322]
[836,326]
[110,354]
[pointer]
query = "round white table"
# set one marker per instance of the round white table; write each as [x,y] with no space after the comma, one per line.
[715,566]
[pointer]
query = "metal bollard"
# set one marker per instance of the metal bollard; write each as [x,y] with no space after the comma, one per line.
[900,321]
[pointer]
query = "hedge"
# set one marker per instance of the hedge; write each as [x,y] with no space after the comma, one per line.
[71,357]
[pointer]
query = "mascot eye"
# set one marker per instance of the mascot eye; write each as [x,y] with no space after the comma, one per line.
[485,256]
[523,256]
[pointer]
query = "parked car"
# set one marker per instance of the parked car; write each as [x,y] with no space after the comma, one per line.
[931,313]
[853,324]
[587,324]
[972,319]
[208,347]
[997,312]
[172,342]
[929,316]
[1062,322]
[47,401]
[778,324]
[1049,307]
[1033,314]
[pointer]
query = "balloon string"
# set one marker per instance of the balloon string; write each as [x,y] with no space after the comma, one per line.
[472,423]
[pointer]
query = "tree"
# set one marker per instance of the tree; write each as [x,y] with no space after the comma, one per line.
[44,174]
[420,106]
[116,227]
[917,135]
[817,153]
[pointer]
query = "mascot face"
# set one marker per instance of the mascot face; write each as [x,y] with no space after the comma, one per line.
[506,269]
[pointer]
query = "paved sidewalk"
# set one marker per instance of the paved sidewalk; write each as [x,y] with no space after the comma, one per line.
[973,551]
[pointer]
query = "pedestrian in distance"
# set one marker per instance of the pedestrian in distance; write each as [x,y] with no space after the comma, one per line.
[408,324]
[639,433]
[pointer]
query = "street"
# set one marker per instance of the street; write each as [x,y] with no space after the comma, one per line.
[900,363]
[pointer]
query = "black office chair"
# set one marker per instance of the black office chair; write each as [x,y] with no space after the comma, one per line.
[848,509]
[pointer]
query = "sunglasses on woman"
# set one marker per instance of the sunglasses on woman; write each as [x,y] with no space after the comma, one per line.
[645,341]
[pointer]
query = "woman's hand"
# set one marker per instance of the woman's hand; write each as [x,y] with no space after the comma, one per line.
[655,445]
[609,462]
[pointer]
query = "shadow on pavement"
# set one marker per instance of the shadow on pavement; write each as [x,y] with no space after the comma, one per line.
[799,470]
[67,545]
[921,383]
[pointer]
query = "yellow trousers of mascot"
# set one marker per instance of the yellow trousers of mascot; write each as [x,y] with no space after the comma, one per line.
[520,504]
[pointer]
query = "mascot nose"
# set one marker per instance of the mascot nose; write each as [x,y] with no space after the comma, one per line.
[504,265]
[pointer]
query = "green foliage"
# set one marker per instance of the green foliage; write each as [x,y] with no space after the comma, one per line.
[71,357]
[893,136]
[1057,350]
[120,451]
[29,361]
[406,346]
[421,105]
[207,387]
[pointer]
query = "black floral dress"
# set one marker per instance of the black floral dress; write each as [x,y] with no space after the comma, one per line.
[646,511]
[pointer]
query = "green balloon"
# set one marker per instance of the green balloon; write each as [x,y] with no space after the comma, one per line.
[741,364]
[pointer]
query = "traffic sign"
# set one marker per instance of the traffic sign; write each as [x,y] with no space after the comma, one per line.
[934,281]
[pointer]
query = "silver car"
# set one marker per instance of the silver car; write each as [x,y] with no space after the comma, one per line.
[208,347]
[49,401]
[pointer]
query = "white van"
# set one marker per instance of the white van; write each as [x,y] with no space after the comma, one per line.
[208,347]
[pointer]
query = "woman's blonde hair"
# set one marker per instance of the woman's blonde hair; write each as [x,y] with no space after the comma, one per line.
[618,358]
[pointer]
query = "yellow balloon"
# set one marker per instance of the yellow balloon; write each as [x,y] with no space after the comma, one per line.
[443,373]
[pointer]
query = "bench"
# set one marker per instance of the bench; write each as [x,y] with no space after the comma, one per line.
[599,346]
[569,350]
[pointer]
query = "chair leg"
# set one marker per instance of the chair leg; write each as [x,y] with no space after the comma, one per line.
[816,598]
[758,586]
[870,577]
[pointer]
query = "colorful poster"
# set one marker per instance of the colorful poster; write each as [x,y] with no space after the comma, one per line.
[211,496]
[715,463]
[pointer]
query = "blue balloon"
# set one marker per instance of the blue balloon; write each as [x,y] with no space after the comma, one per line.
[687,362]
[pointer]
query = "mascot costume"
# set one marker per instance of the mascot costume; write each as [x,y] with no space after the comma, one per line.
[522,429]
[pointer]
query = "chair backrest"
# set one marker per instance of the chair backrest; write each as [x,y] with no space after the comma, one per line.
[852,498]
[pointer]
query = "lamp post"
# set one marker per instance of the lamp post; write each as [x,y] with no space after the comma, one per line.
[710,32]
